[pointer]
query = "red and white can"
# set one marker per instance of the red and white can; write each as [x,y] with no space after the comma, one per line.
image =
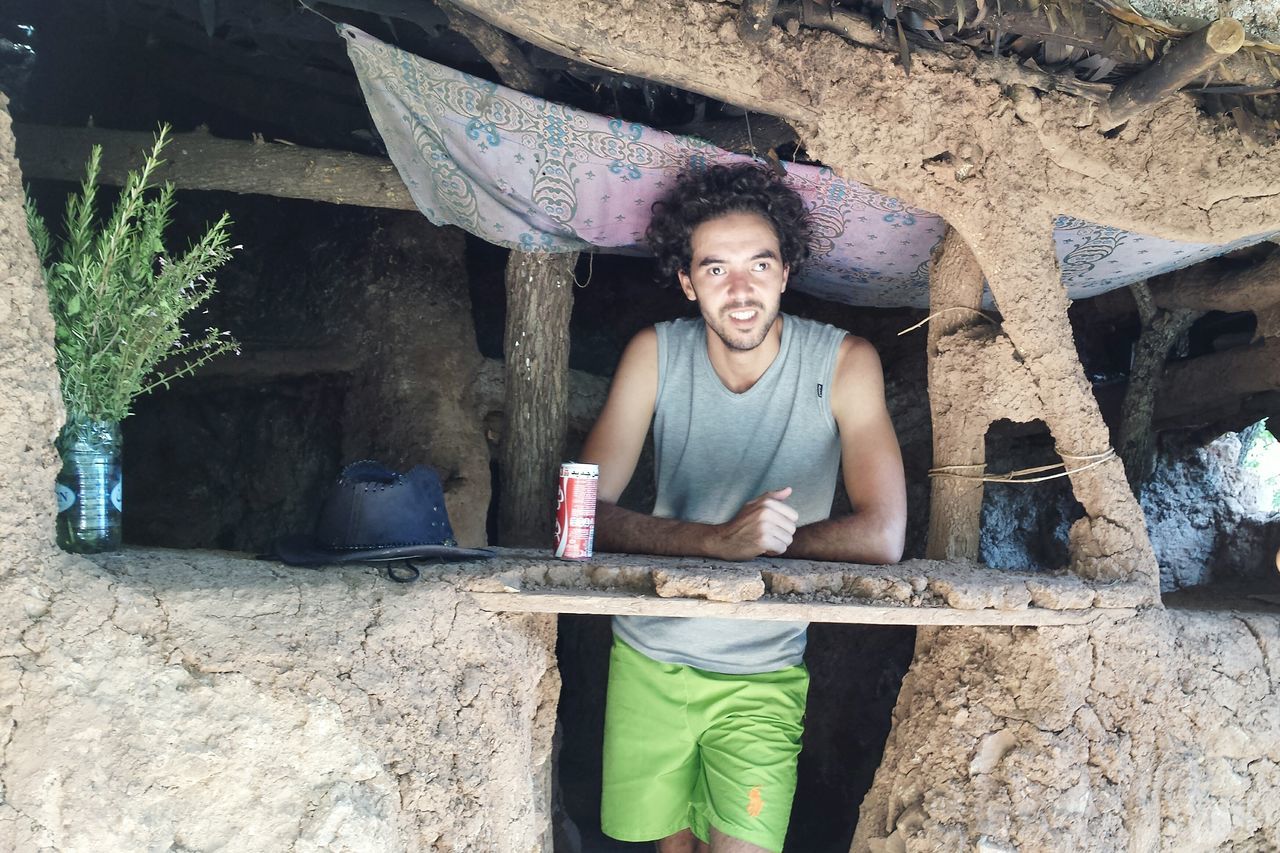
[576,510]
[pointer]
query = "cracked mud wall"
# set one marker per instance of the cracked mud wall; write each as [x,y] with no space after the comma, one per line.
[163,700]
[209,702]
[30,402]
[1160,732]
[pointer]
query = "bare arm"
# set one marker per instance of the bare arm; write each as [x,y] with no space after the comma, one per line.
[764,525]
[871,464]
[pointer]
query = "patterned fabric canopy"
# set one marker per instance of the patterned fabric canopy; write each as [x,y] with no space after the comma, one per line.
[526,173]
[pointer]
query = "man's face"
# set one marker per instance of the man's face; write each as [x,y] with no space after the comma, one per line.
[736,276]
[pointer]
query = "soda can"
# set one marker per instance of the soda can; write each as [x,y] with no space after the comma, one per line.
[576,510]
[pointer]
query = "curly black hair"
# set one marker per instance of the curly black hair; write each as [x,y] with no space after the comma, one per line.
[713,192]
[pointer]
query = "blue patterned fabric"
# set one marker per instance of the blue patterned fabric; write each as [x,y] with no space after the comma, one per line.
[529,174]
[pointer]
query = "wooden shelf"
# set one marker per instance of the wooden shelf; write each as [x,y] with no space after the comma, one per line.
[618,603]
[916,592]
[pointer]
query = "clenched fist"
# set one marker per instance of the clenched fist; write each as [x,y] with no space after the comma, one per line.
[764,525]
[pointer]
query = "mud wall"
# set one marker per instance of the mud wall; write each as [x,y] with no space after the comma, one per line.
[1159,732]
[184,701]
[198,702]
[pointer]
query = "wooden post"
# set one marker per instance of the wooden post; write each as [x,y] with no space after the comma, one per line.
[536,343]
[1160,328]
[959,431]
[1185,61]
[539,302]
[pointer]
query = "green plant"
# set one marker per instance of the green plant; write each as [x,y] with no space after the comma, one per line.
[118,297]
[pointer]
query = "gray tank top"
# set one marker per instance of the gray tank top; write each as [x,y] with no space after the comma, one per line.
[715,450]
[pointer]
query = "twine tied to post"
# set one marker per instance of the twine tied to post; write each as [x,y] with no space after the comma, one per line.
[1024,475]
[945,310]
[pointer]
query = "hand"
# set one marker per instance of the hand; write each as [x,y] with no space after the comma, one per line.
[764,525]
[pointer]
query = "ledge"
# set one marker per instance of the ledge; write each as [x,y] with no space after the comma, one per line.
[916,592]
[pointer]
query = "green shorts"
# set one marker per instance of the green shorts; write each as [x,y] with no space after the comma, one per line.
[684,747]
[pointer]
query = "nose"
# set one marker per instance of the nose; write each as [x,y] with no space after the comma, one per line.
[739,282]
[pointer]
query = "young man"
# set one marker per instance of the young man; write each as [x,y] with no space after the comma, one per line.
[754,413]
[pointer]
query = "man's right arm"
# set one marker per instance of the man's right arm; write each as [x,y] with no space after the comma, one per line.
[764,525]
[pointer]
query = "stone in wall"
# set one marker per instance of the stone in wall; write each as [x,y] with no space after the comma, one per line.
[1158,732]
[1203,514]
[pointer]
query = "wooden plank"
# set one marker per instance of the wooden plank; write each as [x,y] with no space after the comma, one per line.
[614,603]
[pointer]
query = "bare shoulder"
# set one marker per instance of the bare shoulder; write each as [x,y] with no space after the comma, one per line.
[643,343]
[639,359]
[857,361]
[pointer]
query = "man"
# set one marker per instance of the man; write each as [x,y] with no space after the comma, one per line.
[754,412]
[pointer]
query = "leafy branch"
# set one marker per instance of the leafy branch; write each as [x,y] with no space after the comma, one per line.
[118,297]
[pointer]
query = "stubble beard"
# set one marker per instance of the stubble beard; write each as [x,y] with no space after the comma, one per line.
[734,340]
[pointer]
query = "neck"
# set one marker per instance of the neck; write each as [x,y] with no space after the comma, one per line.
[739,370]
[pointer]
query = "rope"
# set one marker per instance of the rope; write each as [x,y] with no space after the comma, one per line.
[337,24]
[1023,475]
[943,311]
[591,270]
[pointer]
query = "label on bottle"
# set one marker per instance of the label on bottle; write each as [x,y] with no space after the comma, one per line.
[66,497]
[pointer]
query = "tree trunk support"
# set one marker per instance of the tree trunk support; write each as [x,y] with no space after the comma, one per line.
[1160,328]
[1111,542]
[539,302]
[959,438]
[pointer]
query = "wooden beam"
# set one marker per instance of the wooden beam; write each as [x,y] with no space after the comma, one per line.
[1185,61]
[1063,167]
[498,49]
[959,428]
[1111,542]
[734,134]
[198,161]
[1196,391]
[605,603]
[1211,287]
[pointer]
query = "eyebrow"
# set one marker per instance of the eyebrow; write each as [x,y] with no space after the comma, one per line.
[760,255]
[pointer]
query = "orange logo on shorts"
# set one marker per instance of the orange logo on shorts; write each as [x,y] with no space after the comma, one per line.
[755,803]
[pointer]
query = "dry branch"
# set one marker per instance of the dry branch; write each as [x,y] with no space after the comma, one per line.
[198,161]
[1185,61]
[539,302]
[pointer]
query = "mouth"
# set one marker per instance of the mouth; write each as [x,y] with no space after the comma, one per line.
[744,316]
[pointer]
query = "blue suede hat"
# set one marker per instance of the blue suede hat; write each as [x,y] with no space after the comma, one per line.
[373,514]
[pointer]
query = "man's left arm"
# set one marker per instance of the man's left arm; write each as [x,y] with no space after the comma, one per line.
[871,464]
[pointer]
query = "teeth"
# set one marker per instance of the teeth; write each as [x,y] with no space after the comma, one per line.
[742,315]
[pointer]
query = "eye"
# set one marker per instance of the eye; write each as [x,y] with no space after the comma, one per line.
[761,266]
[715,270]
